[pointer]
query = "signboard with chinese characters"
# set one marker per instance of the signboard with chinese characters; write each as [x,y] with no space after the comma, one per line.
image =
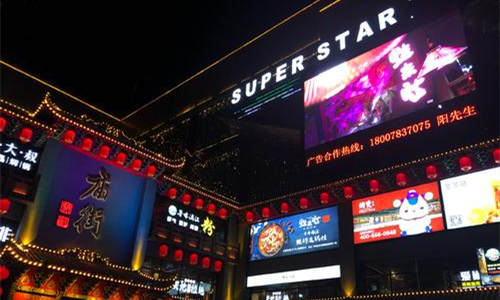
[302,275]
[190,286]
[401,213]
[18,155]
[489,265]
[89,203]
[472,199]
[297,234]
[181,216]
[468,279]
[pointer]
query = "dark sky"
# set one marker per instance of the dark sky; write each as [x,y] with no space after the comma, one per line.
[119,55]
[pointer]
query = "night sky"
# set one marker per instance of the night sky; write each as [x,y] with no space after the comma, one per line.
[119,55]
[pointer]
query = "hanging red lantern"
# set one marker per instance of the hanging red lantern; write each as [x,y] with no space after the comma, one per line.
[69,136]
[186,199]
[178,255]
[223,213]
[3,124]
[104,152]
[218,266]
[172,193]
[401,179]
[26,135]
[431,172]
[324,198]
[120,158]
[304,203]
[136,164]
[163,250]
[284,208]
[151,171]
[374,186]
[348,192]
[266,212]
[198,204]
[87,144]
[4,273]
[211,208]
[4,206]
[193,259]
[496,155]
[465,163]
[249,216]
[205,262]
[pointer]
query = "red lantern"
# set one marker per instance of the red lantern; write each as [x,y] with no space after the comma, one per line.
[223,213]
[69,136]
[172,193]
[304,203]
[4,206]
[431,172]
[348,192]
[374,186]
[198,204]
[3,124]
[401,179]
[26,135]
[163,250]
[496,156]
[465,163]
[193,259]
[266,212]
[120,158]
[217,266]
[104,152]
[87,144]
[284,208]
[249,216]
[151,171]
[205,262]
[211,208]
[178,255]
[186,199]
[136,164]
[4,273]
[324,198]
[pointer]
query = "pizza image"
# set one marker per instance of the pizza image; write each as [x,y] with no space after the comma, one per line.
[271,239]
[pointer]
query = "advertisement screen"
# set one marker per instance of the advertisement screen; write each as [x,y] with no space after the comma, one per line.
[297,234]
[401,213]
[489,265]
[422,68]
[472,199]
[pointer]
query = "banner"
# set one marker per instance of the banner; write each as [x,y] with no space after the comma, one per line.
[296,234]
[401,213]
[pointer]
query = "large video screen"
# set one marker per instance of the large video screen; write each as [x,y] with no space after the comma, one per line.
[302,233]
[472,199]
[422,68]
[401,213]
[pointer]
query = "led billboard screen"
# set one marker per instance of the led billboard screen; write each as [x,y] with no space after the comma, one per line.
[397,214]
[472,199]
[302,233]
[425,67]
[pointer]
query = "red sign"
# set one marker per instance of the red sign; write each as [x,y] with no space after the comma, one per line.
[401,213]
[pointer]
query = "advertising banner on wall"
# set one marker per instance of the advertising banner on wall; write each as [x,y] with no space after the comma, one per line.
[302,233]
[413,71]
[401,213]
[472,199]
[489,265]
[85,202]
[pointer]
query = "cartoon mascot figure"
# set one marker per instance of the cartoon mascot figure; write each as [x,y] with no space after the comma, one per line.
[414,213]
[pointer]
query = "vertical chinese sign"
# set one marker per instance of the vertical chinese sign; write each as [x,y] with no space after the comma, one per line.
[85,202]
